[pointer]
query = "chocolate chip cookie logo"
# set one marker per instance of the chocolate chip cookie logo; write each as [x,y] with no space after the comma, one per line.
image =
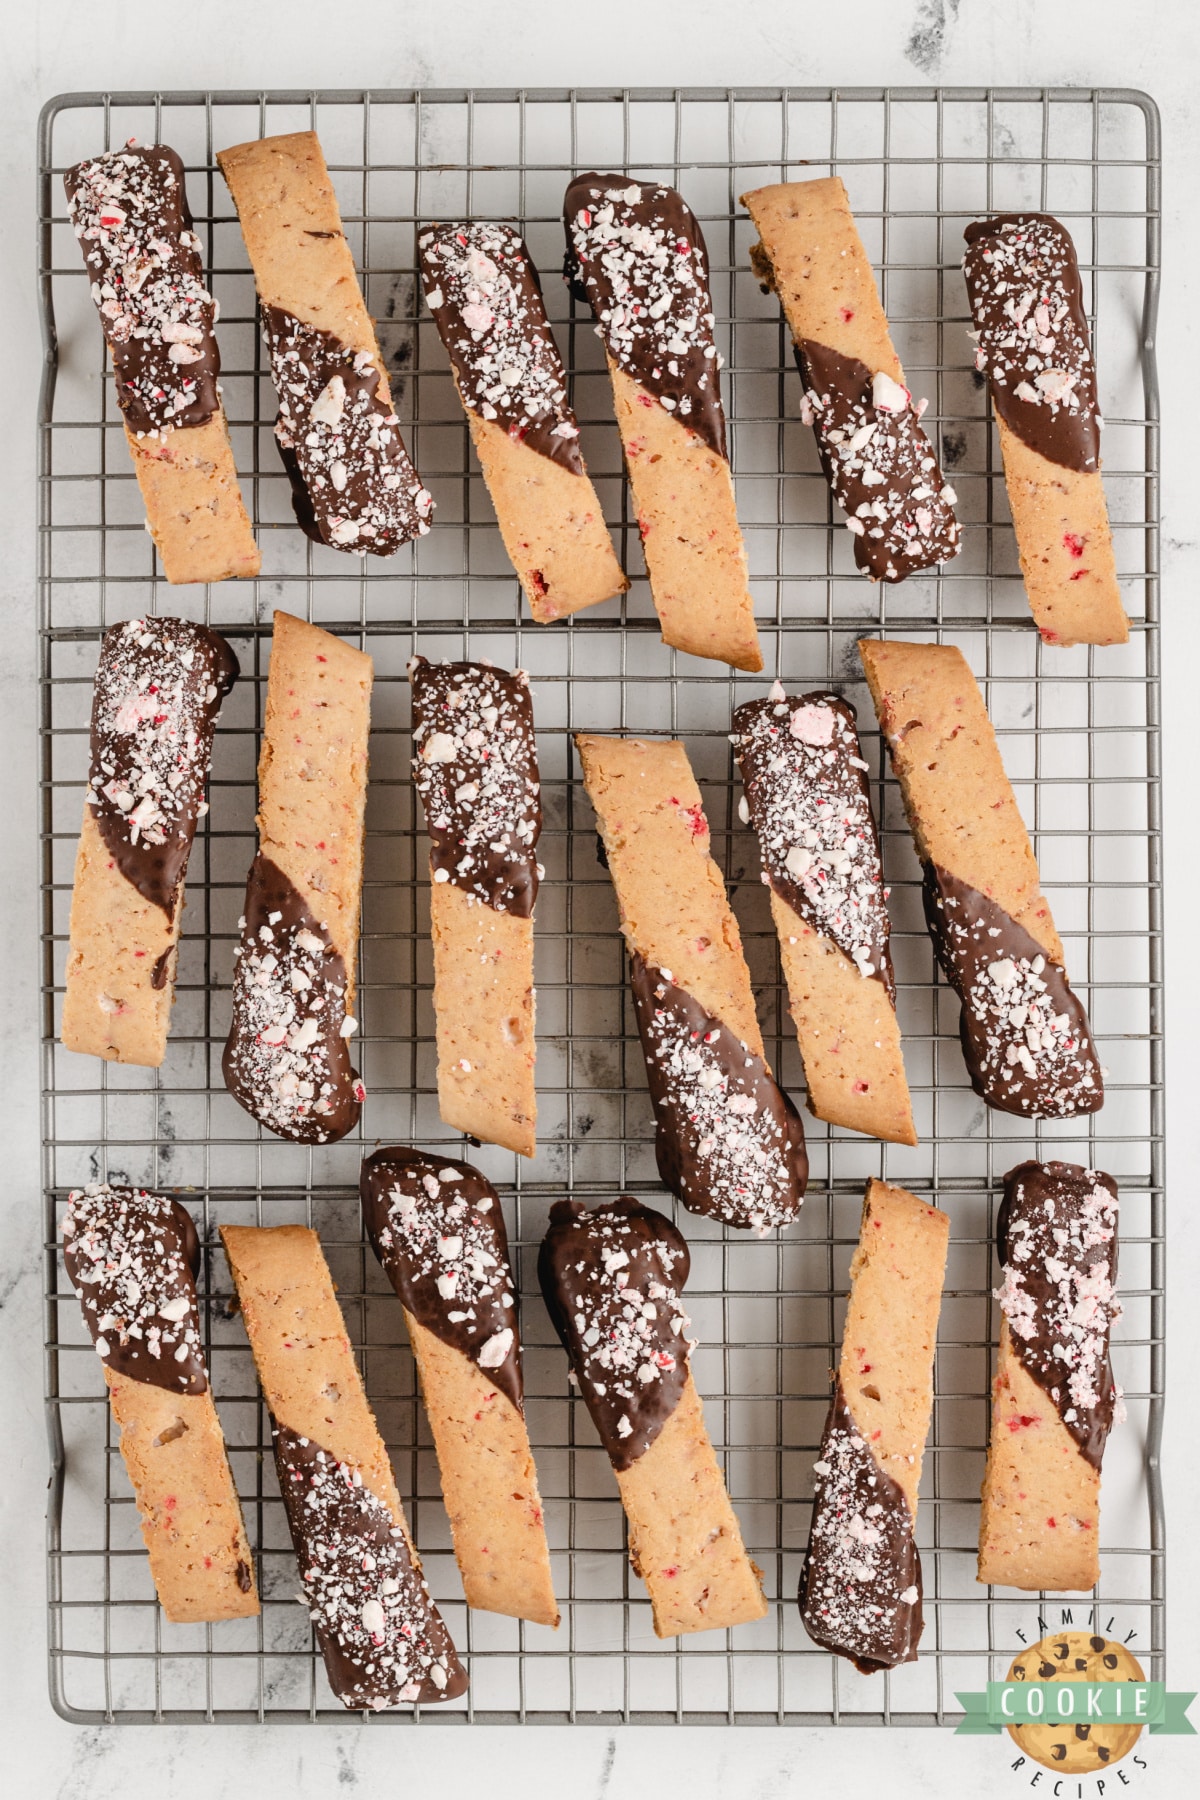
[1072,1745]
[1077,1703]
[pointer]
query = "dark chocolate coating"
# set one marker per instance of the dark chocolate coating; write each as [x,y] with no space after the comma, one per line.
[483,291]
[810,805]
[1026,299]
[353,486]
[130,212]
[437,1227]
[272,1053]
[1056,1237]
[881,467]
[728,1140]
[130,1255]
[475,767]
[860,1588]
[611,1280]
[1011,991]
[383,1639]
[158,691]
[636,250]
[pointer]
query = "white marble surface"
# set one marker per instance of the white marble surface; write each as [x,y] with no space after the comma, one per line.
[61,45]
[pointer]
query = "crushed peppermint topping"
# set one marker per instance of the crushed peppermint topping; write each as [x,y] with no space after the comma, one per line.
[131,1257]
[860,1592]
[383,1639]
[354,487]
[879,464]
[158,690]
[639,254]
[475,768]
[1032,334]
[1058,1249]
[1025,1035]
[612,1280]
[729,1141]
[130,213]
[438,1229]
[287,1060]
[482,289]
[807,793]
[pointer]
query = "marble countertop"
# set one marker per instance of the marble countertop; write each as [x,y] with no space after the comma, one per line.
[63,45]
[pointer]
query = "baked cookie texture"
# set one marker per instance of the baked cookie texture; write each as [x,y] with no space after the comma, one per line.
[353,485]
[437,1227]
[1033,343]
[483,291]
[860,1589]
[130,213]
[287,1057]
[636,253]
[475,768]
[1054,1400]
[809,802]
[132,1257]
[382,1638]
[612,1280]
[1026,1038]
[728,1140]
[877,459]
[158,691]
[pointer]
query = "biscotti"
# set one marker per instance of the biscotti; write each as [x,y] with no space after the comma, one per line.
[353,486]
[612,1280]
[483,291]
[158,690]
[860,1589]
[438,1230]
[809,801]
[636,253]
[1025,1036]
[1054,1400]
[132,1258]
[1032,341]
[728,1140]
[383,1639]
[287,1058]
[130,213]
[475,768]
[877,459]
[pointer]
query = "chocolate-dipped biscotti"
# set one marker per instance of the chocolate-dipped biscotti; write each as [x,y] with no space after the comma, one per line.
[483,291]
[1032,341]
[438,1229]
[876,457]
[475,768]
[728,1140]
[860,1589]
[1054,1400]
[287,1058]
[636,253]
[1025,1036]
[353,486]
[133,1258]
[130,213]
[612,1280]
[383,1639]
[809,801]
[158,690]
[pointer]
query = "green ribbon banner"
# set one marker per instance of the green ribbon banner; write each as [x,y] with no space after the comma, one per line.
[1075,1703]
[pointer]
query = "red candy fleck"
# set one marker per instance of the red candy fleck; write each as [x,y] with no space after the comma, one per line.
[1073,543]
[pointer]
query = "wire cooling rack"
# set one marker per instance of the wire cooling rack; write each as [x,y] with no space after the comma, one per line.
[1079,732]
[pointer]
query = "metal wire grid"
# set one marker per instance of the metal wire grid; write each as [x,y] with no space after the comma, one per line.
[1080,735]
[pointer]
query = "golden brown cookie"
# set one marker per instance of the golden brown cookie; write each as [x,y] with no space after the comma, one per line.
[1071,1749]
